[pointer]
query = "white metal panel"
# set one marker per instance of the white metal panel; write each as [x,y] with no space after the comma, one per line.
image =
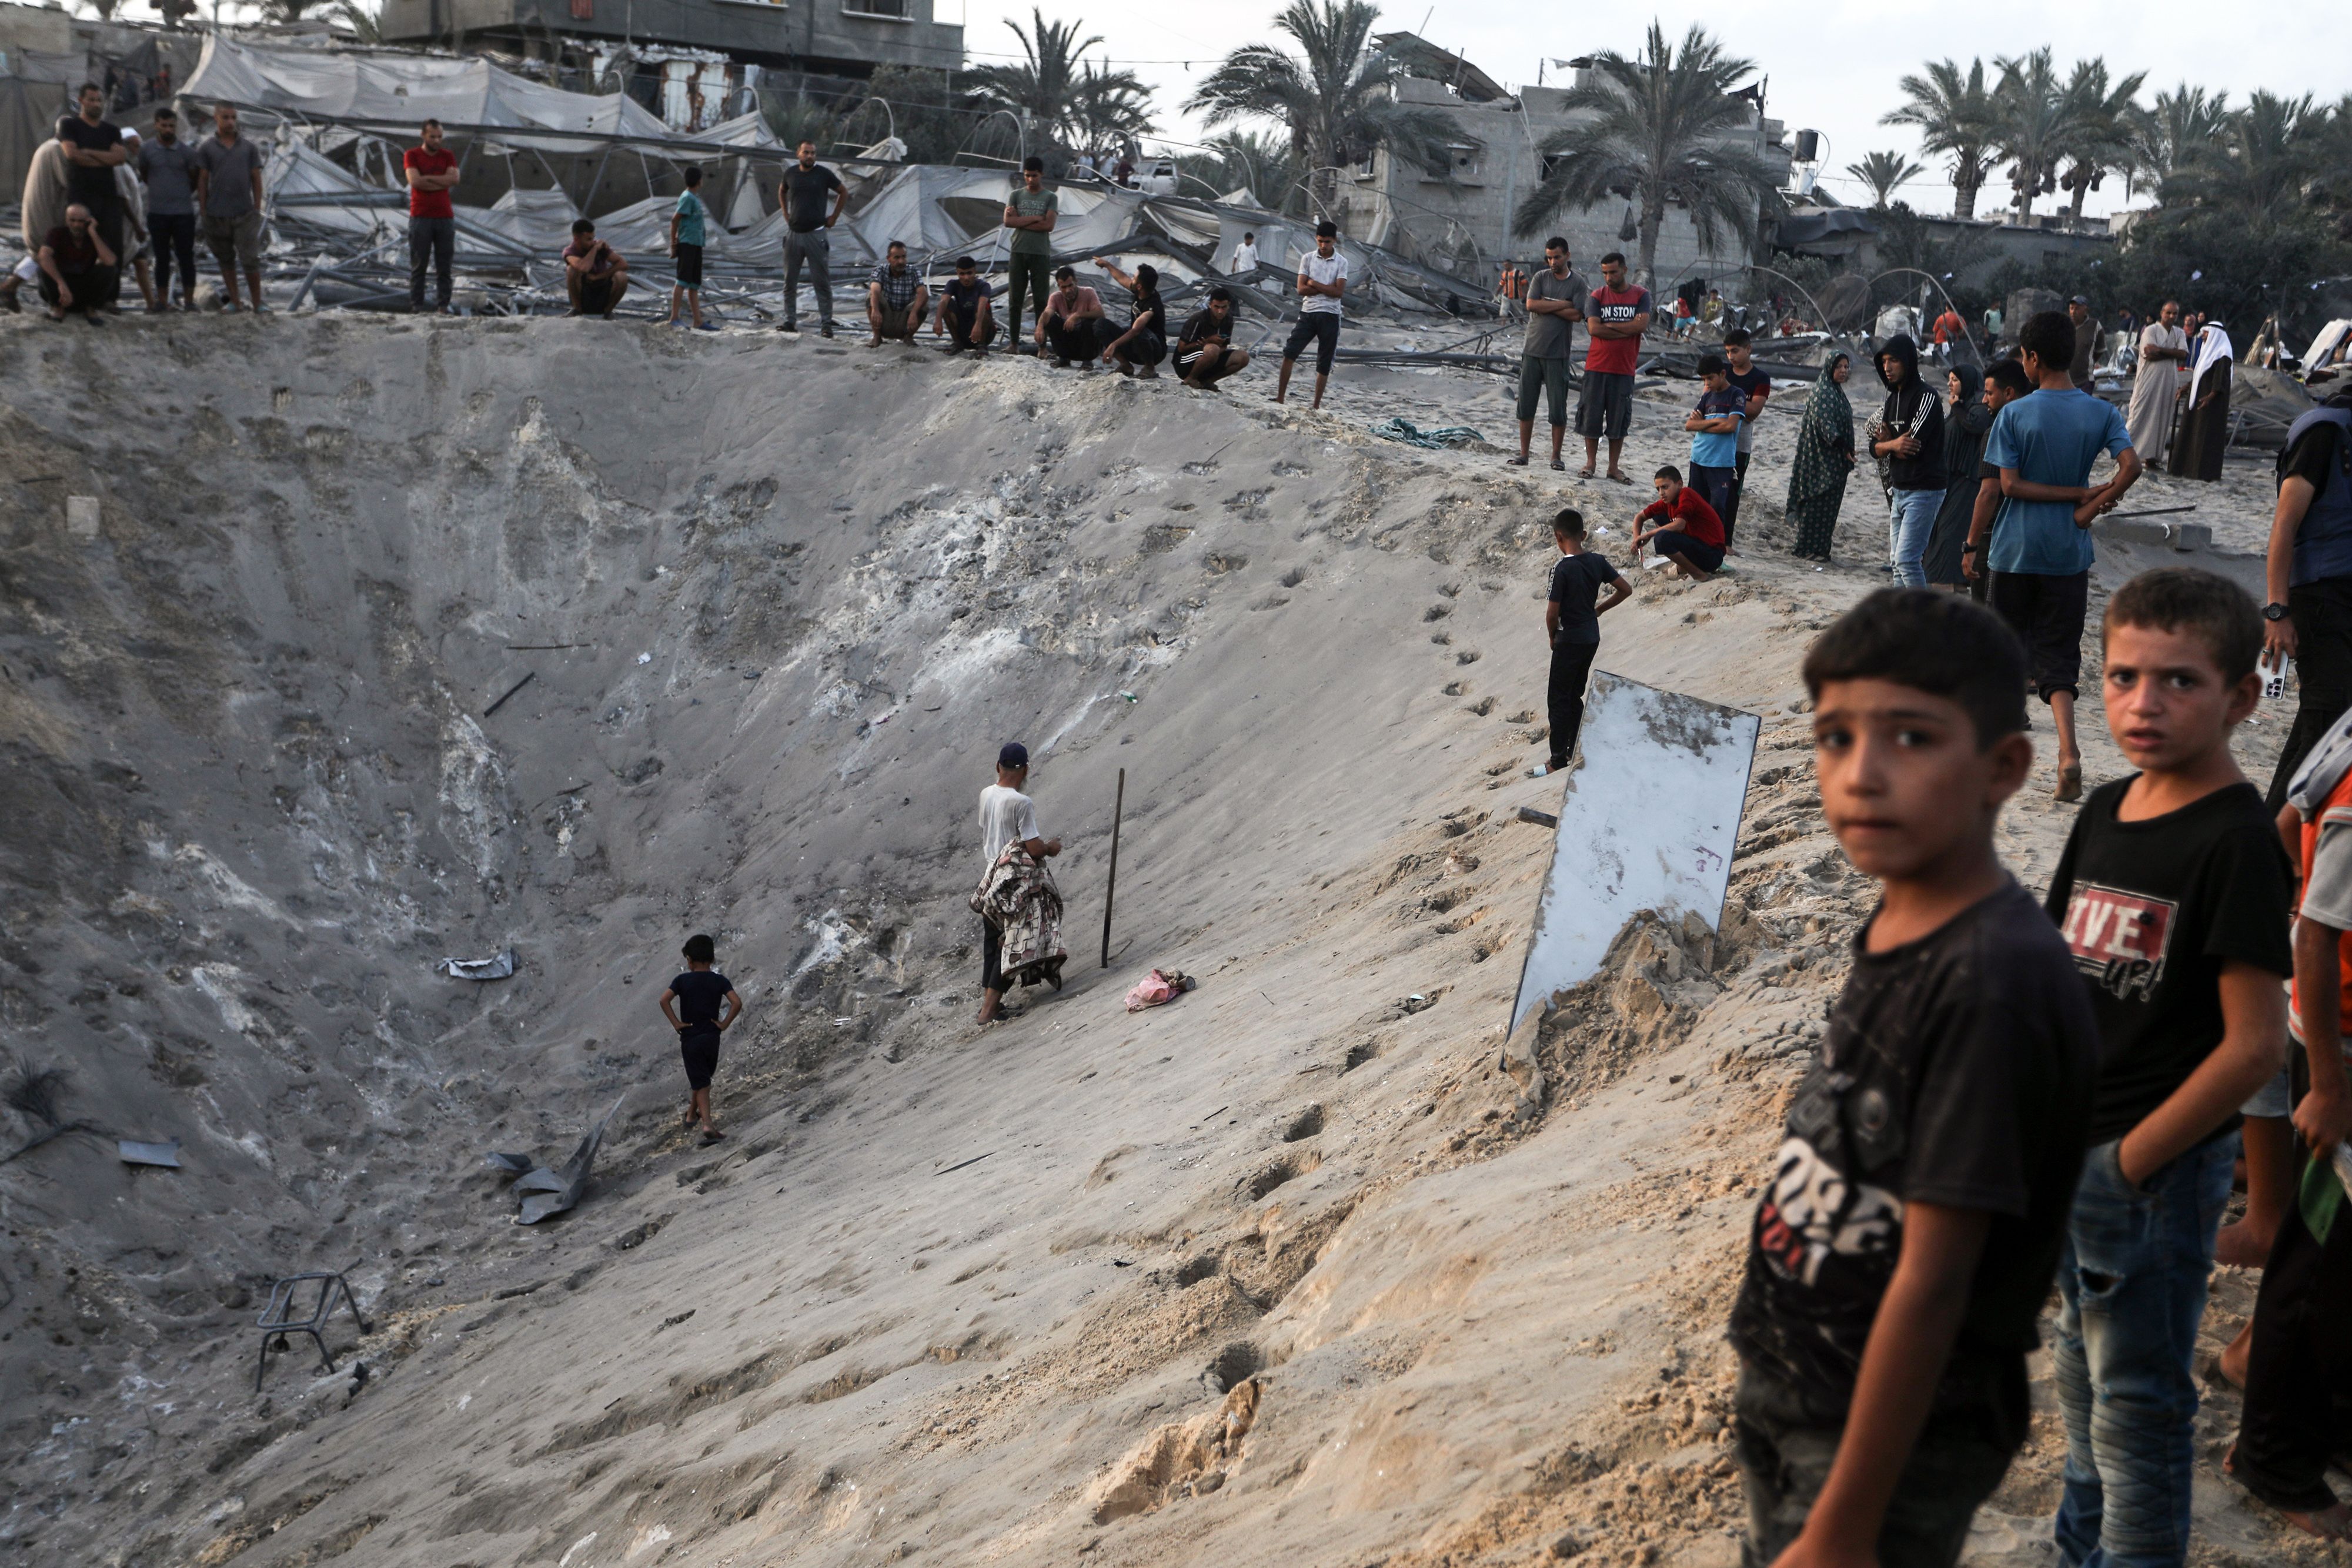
[1648,824]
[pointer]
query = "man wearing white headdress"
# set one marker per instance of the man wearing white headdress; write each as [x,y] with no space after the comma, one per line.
[2205,422]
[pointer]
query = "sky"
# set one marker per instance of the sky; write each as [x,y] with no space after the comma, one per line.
[1837,76]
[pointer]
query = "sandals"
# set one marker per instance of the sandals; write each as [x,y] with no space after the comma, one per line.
[1557,466]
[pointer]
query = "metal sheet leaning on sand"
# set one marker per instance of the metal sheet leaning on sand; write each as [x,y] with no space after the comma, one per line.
[1648,822]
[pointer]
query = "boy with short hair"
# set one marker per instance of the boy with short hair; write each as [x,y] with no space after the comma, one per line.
[1756,386]
[965,313]
[1714,426]
[2045,445]
[686,234]
[595,275]
[1903,1249]
[697,994]
[1689,533]
[2173,896]
[1322,280]
[1572,626]
[2005,382]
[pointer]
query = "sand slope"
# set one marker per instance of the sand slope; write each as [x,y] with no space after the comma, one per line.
[1290,1271]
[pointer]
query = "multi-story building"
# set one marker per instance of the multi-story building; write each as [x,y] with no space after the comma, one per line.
[833,37]
[1464,224]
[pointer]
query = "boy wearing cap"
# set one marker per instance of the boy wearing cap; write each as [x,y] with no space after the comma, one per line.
[1006,816]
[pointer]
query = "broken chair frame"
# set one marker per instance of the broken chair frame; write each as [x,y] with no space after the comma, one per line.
[277,1318]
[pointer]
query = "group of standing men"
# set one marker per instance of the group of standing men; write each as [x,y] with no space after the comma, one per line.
[100,197]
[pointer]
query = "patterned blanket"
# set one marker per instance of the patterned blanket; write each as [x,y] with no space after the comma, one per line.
[1019,898]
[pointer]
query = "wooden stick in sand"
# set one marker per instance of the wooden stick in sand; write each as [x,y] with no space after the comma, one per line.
[1111,886]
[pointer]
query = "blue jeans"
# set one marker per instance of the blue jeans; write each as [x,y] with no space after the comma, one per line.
[1913,516]
[2132,1280]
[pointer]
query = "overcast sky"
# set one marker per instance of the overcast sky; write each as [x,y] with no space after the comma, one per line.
[1834,71]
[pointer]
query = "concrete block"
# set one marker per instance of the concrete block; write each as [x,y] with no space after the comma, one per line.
[81,517]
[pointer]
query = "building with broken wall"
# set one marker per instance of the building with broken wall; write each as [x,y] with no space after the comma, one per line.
[693,62]
[1461,220]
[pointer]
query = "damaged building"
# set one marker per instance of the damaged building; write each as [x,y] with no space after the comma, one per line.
[1460,220]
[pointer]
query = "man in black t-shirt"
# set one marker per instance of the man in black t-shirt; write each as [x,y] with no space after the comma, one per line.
[1572,627]
[808,225]
[1756,386]
[1205,353]
[1901,1251]
[93,148]
[2172,894]
[2308,613]
[699,1023]
[966,316]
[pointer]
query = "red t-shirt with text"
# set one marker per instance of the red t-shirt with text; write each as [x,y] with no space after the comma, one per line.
[429,203]
[1613,356]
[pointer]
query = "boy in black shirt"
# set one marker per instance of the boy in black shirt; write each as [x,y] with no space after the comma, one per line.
[1572,625]
[697,994]
[1919,1200]
[2173,896]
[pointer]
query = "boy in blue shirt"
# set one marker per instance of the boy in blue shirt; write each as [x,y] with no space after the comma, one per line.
[685,231]
[1713,425]
[2045,445]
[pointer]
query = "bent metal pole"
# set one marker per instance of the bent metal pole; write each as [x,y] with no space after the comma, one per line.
[1119,803]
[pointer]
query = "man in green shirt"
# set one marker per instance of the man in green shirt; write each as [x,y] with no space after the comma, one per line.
[1030,213]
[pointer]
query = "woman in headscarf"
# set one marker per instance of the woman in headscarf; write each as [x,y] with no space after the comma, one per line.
[1966,424]
[1823,461]
[2205,422]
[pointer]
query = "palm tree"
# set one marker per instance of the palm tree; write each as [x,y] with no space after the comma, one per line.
[1048,88]
[2105,133]
[1266,166]
[1884,172]
[1956,117]
[366,26]
[1109,107]
[1334,95]
[2183,121]
[2037,118]
[2255,170]
[1658,128]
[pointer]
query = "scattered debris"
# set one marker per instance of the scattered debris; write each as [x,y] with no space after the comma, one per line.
[671,1323]
[1540,819]
[281,1316]
[554,1192]
[497,968]
[1438,439]
[166,1155]
[958,1165]
[1159,988]
[527,677]
[38,1095]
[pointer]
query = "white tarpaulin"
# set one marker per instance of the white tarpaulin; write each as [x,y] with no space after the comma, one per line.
[1648,823]
[407,89]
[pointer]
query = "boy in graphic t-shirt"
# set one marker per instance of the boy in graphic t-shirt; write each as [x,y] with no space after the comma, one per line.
[1918,1201]
[697,1018]
[2173,896]
[1572,626]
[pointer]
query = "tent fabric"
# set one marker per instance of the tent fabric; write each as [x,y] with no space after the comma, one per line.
[28,116]
[401,89]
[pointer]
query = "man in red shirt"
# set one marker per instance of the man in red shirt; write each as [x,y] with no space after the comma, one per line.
[432,221]
[1690,534]
[1615,317]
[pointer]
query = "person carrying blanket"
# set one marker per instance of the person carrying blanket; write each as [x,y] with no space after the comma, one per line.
[1019,907]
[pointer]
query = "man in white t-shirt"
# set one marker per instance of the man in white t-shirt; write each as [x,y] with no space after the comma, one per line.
[1006,816]
[1245,256]
[1322,280]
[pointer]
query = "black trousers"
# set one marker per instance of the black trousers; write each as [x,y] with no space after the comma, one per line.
[174,237]
[2322,613]
[1571,666]
[432,242]
[1073,340]
[1730,513]
[2298,1408]
[992,955]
